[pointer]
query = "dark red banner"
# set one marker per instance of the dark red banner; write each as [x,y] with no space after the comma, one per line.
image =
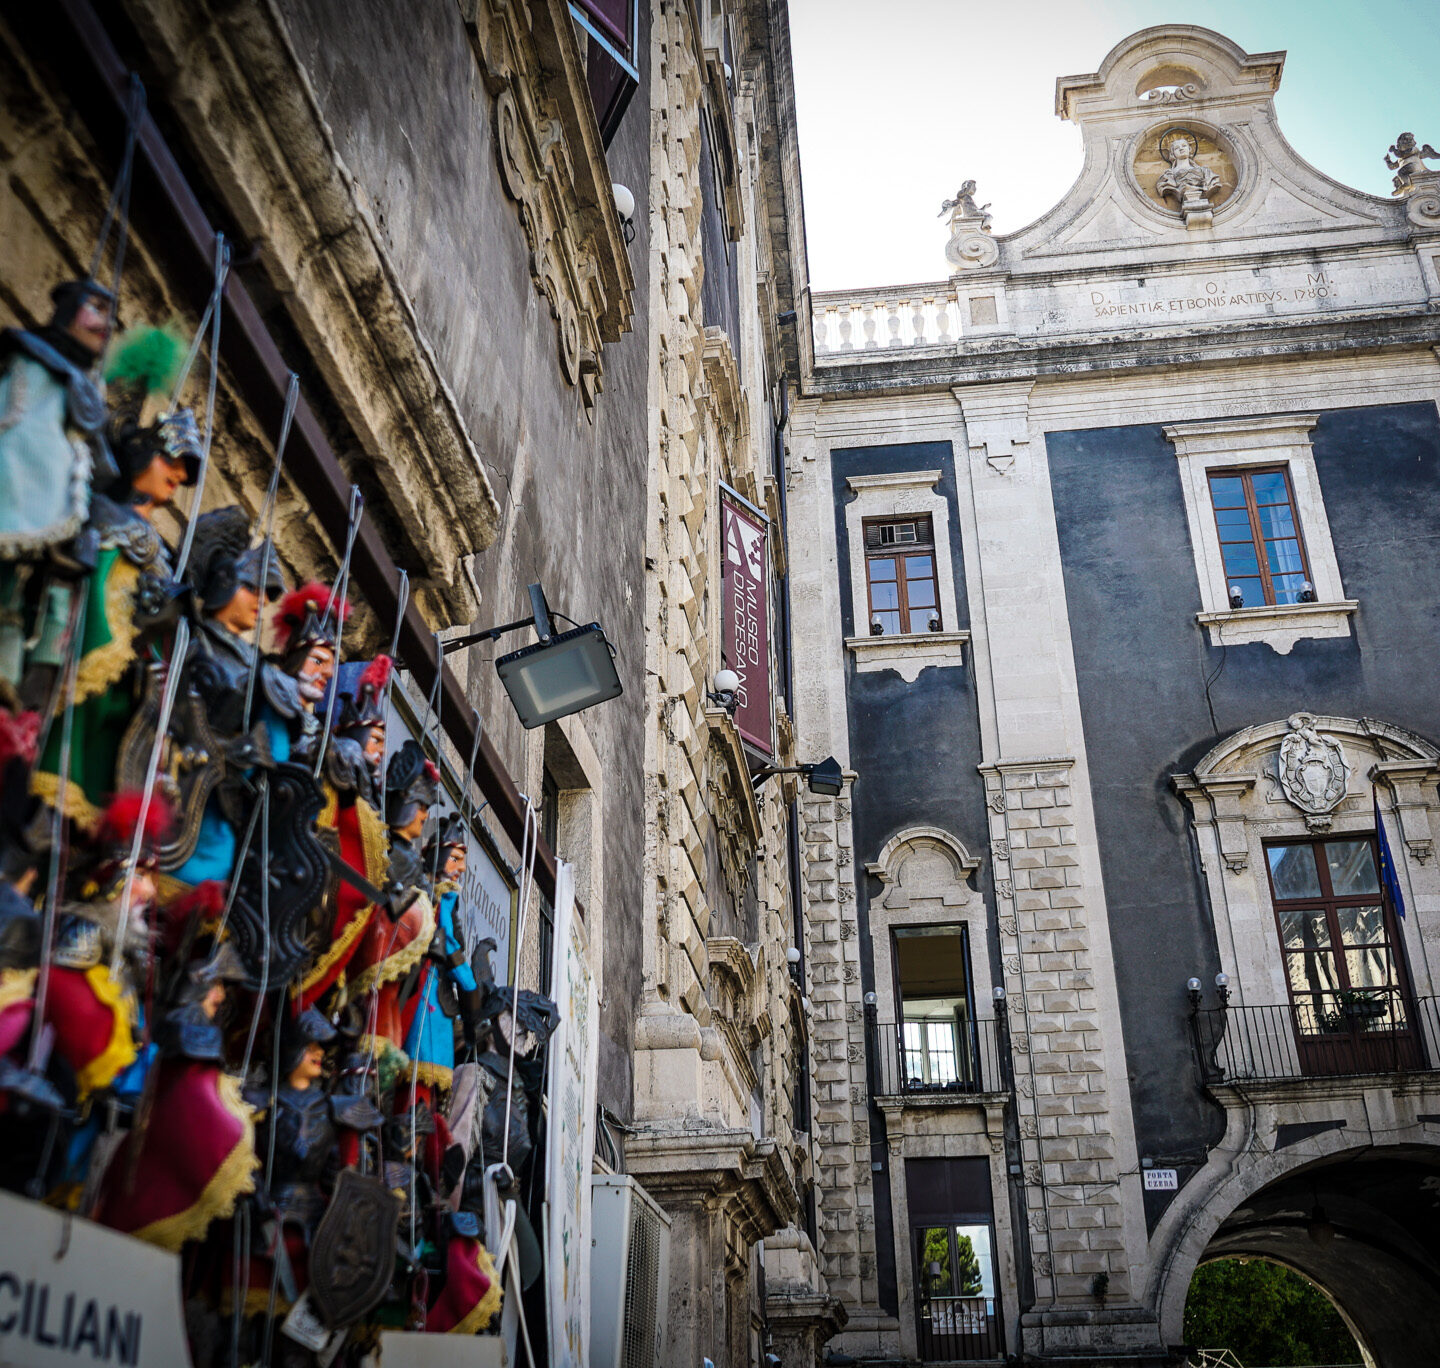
[745,617]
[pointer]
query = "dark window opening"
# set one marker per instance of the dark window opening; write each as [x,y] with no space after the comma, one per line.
[610,29]
[550,832]
[940,1046]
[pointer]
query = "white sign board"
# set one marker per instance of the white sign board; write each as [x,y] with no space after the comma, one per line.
[107,1298]
[573,1063]
[1160,1180]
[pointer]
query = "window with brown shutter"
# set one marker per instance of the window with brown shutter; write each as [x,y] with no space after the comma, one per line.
[900,575]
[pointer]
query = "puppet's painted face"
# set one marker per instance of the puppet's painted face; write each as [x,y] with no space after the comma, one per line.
[316,673]
[454,862]
[156,484]
[242,612]
[91,325]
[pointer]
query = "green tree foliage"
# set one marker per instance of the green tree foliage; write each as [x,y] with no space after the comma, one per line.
[967,1268]
[1264,1314]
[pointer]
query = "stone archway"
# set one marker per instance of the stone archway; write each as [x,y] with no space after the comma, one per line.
[1356,1219]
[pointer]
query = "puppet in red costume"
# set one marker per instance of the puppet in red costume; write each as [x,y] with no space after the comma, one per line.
[351,817]
[189,1161]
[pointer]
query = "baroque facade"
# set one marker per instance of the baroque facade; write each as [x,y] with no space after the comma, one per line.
[1104,584]
[529,265]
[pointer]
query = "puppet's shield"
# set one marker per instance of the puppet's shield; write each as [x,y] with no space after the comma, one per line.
[352,1257]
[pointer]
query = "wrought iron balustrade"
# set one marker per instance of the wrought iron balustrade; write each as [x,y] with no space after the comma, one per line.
[968,1056]
[958,1328]
[1334,1035]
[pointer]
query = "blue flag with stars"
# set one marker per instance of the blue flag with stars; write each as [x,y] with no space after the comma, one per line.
[1388,878]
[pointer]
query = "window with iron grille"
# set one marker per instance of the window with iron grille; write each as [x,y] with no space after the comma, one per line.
[1260,541]
[900,576]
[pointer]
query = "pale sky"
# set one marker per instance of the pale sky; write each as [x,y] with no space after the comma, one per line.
[900,101]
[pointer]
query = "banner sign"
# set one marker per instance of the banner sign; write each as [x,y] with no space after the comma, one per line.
[574,1064]
[745,615]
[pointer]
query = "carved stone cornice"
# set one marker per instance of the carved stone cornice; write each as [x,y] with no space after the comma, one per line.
[714,1169]
[552,161]
[234,81]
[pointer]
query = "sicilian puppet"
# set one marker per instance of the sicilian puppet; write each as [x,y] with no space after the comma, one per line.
[447,982]
[307,624]
[130,597]
[296,1139]
[251,705]
[192,1156]
[53,451]
[352,825]
[399,936]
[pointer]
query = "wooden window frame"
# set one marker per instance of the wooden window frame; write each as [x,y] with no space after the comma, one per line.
[1245,475]
[895,551]
[1330,903]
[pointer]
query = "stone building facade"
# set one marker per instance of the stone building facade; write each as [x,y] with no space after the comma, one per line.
[1109,591]
[525,385]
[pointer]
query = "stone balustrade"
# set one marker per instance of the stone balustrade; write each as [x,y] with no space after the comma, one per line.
[871,321]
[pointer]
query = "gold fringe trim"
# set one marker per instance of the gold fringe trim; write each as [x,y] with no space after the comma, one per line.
[337,950]
[330,813]
[374,841]
[100,668]
[17,985]
[233,1178]
[407,957]
[120,1052]
[480,1314]
[436,1075]
[46,787]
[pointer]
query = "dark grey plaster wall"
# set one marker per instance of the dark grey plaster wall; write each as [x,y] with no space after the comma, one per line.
[401,90]
[1143,665]
[914,746]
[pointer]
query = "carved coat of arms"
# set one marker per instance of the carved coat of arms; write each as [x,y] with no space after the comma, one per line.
[1311,767]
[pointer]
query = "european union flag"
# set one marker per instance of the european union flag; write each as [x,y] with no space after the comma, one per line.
[1388,878]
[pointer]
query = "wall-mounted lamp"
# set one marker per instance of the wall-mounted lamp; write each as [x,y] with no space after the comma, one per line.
[625,208]
[1222,987]
[805,1003]
[825,777]
[560,674]
[1237,596]
[999,994]
[934,622]
[877,628]
[1192,987]
[727,686]
[1306,594]
[792,955]
[870,1000]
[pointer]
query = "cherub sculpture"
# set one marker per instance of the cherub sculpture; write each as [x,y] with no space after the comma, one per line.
[964,202]
[1407,160]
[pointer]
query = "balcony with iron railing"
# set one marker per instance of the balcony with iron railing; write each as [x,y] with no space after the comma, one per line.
[938,1060]
[1344,1034]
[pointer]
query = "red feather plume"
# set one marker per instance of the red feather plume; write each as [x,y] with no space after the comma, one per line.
[432,773]
[290,616]
[120,819]
[19,736]
[376,676]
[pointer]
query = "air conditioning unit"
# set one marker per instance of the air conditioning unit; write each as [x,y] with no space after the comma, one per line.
[629,1274]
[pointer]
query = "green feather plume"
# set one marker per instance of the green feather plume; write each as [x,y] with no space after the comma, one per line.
[148,359]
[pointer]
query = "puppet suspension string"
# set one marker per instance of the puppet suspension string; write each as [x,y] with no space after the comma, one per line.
[57,834]
[337,600]
[120,196]
[212,316]
[266,521]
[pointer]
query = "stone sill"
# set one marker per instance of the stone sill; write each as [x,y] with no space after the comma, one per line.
[907,653]
[932,1101]
[1279,625]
